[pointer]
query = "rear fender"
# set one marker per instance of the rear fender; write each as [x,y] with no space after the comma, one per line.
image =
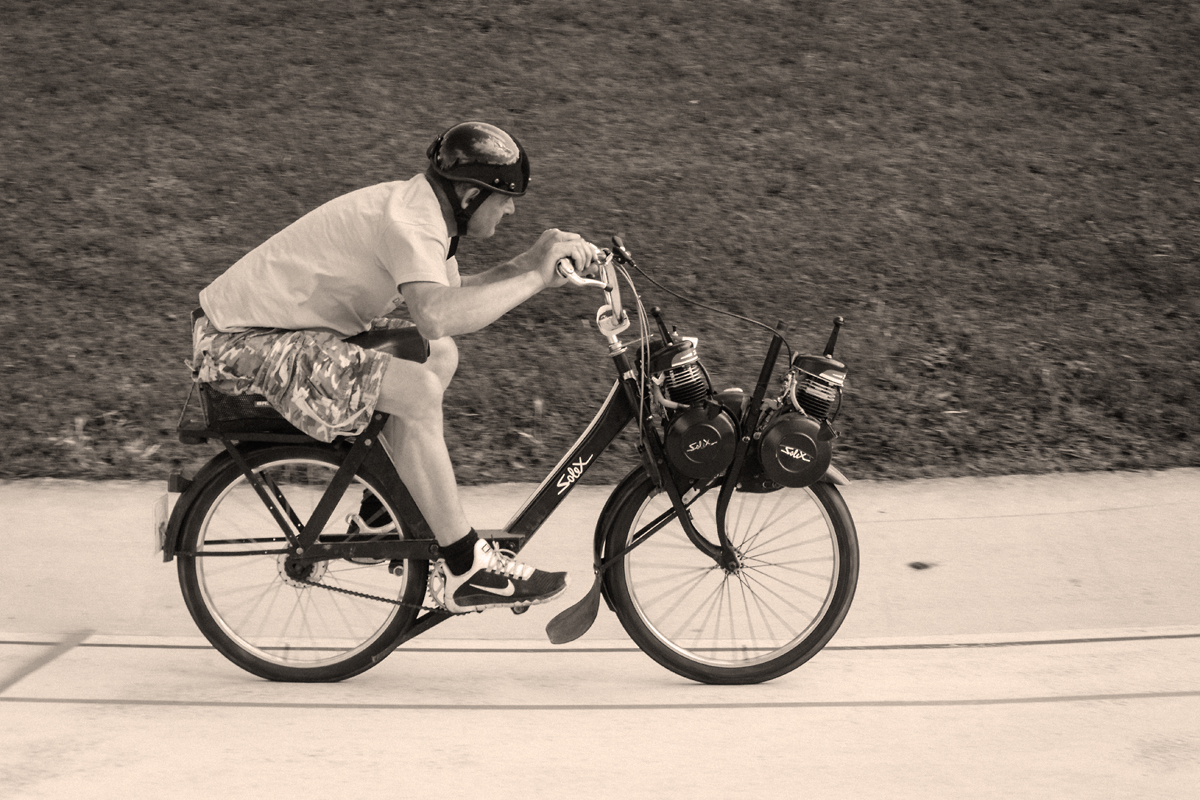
[191,492]
[192,489]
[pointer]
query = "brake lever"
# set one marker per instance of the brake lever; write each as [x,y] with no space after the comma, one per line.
[566,268]
[606,318]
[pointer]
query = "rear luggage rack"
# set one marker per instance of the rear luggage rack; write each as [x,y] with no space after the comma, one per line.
[247,417]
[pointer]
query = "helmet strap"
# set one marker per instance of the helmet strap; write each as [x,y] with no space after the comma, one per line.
[472,206]
[462,216]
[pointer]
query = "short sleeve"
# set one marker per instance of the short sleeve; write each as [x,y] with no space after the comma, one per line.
[413,244]
[452,272]
[413,254]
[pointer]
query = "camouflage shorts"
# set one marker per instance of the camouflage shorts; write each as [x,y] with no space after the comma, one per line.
[319,383]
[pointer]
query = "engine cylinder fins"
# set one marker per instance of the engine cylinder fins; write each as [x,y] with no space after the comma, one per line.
[686,385]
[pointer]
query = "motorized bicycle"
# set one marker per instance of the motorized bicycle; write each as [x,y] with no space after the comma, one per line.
[727,552]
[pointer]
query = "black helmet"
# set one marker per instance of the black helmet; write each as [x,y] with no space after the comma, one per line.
[482,154]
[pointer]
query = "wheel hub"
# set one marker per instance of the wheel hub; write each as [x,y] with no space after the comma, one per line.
[731,561]
[301,574]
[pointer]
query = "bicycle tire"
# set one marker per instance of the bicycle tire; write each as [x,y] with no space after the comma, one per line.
[261,617]
[799,569]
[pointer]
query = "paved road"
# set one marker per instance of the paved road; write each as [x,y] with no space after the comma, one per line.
[1050,649]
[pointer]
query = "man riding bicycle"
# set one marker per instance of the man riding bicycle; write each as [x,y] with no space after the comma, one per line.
[275,323]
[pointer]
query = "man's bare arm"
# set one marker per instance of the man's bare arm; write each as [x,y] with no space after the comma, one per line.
[482,299]
[449,311]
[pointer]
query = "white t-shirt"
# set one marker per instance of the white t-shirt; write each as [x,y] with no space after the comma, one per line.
[339,266]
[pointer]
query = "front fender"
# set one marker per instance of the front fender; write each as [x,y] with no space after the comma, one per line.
[616,500]
[834,475]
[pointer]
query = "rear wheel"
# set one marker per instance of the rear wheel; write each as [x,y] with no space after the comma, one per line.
[272,616]
[792,587]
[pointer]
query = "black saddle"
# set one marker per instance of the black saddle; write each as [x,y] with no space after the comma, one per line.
[404,343]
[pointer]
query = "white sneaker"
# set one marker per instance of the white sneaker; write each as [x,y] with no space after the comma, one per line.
[495,579]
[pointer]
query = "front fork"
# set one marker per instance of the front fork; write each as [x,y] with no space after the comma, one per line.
[660,471]
[729,558]
[724,553]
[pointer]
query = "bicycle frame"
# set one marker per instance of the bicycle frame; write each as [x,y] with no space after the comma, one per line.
[614,414]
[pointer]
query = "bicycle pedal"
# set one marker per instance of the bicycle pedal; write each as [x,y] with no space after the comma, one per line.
[436,586]
[520,609]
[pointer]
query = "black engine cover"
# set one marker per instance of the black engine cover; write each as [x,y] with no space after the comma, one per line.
[701,441]
[792,451]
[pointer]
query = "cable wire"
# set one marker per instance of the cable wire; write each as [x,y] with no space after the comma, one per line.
[713,309]
[643,367]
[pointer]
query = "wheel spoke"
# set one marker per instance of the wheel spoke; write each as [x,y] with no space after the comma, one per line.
[758,581]
[762,609]
[756,546]
[670,591]
[758,618]
[284,623]
[749,540]
[752,635]
[702,605]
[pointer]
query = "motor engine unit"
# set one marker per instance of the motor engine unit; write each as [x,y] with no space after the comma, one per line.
[701,435]
[792,451]
[795,448]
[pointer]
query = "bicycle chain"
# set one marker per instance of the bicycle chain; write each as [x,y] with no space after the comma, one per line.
[366,596]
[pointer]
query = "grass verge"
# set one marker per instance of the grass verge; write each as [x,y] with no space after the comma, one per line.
[999,197]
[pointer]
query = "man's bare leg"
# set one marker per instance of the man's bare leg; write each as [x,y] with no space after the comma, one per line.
[476,576]
[412,394]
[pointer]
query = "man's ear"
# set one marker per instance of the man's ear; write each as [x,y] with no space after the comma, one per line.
[467,196]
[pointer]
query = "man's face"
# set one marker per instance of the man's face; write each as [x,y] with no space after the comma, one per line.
[487,217]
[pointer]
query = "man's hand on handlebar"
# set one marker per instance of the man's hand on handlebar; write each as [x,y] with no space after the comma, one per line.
[553,246]
[567,270]
[561,257]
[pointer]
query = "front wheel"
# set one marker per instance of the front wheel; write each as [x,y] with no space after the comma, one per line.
[280,620]
[797,568]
